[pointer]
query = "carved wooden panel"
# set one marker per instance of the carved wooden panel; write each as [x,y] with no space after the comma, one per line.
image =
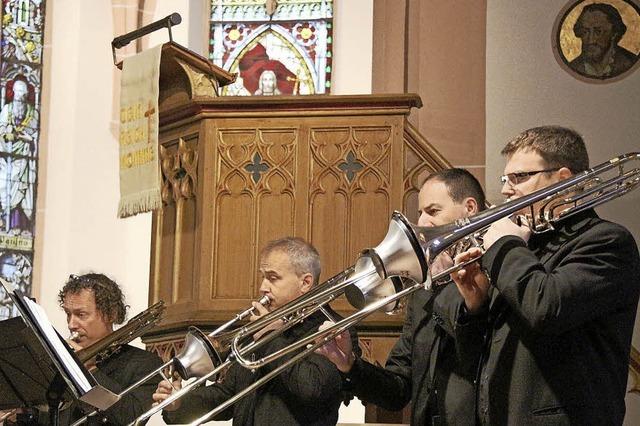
[174,226]
[420,159]
[350,192]
[179,167]
[166,349]
[255,202]
[350,181]
[240,172]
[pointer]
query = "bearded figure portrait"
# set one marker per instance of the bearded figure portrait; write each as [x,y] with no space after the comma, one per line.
[600,40]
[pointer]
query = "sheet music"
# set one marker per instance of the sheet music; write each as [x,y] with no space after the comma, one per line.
[80,382]
[58,344]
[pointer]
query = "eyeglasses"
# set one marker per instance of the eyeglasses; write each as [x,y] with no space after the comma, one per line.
[519,177]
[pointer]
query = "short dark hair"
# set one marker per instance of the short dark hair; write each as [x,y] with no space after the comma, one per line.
[107,293]
[619,28]
[303,256]
[460,184]
[558,146]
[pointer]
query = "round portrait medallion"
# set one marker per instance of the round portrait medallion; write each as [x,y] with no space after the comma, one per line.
[598,40]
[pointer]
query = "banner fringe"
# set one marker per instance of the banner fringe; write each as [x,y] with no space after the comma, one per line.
[140,202]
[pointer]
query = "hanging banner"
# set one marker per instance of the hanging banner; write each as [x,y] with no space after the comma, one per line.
[140,180]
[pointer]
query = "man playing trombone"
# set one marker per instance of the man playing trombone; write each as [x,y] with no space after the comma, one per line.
[556,309]
[93,303]
[423,367]
[307,393]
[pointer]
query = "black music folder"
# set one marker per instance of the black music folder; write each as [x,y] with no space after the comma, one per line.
[37,365]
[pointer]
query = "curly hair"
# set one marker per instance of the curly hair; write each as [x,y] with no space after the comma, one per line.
[108,296]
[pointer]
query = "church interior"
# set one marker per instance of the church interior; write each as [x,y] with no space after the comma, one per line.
[392,91]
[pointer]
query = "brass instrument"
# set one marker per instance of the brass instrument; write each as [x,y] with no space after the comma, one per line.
[201,350]
[111,343]
[202,354]
[407,251]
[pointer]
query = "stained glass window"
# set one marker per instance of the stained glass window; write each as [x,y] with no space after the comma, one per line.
[276,46]
[20,78]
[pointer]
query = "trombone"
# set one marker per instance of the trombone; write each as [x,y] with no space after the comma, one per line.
[292,314]
[407,251]
[110,344]
[200,355]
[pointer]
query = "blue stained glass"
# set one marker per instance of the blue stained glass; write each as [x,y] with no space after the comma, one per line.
[20,88]
[16,268]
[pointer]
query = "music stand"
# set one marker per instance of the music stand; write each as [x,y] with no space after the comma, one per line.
[38,368]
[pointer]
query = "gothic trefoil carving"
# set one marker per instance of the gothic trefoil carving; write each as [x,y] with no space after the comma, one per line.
[179,172]
[256,167]
[167,349]
[256,161]
[351,159]
[350,166]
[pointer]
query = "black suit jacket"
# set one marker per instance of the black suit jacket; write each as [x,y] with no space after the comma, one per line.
[120,371]
[559,326]
[307,393]
[116,373]
[423,366]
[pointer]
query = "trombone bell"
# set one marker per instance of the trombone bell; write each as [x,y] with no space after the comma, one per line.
[198,357]
[400,253]
[373,288]
[203,353]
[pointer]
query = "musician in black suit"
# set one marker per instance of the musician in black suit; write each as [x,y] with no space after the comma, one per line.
[94,303]
[557,309]
[306,393]
[423,366]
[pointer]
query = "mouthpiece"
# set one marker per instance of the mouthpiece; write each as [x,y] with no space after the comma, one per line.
[264,301]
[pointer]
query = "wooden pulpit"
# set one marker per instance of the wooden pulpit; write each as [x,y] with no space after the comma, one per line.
[240,171]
